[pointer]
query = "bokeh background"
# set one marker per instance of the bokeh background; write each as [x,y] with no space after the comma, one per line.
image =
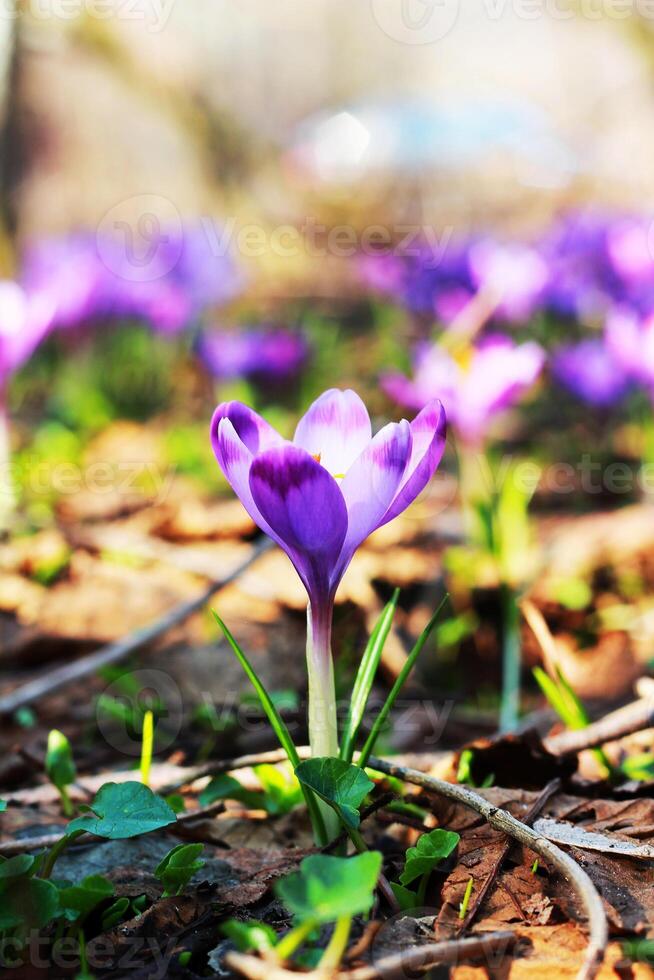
[213,200]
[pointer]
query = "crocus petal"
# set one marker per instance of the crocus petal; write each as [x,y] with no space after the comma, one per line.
[237,434]
[428,431]
[253,431]
[236,461]
[335,429]
[303,505]
[371,484]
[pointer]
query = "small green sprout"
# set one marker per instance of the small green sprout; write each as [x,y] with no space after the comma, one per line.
[563,699]
[60,767]
[327,889]
[250,935]
[177,868]
[147,742]
[421,860]
[465,902]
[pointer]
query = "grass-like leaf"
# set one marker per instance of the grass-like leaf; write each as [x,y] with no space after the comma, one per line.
[380,720]
[280,729]
[366,676]
[568,706]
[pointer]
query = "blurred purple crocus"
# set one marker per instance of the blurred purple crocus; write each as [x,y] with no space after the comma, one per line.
[260,355]
[516,275]
[92,278]
[630,340]
[474,385]
[319,497]
[24,321]
[590,371]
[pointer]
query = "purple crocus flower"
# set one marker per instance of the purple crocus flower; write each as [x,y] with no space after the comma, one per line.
[474,386]
[590,371]
[515,274]
[320,496]
[24,321]
[260,355]
[68,270]
[630,341]
[98,277]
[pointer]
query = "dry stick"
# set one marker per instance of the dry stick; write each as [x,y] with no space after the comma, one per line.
[114,652]
[543,634]
[501,820]
[217,766]
[552,787]
[424,957]
[631,718]
[400,964]
[8,848]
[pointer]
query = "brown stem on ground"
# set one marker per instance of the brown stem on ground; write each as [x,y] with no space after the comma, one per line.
[418,958]
[502,820]
[536,807]
[413,959]
[631,718]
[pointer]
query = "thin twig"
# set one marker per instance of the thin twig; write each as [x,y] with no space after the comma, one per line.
[216,766]
[112,653]
[631,718]
[538,804]
[25,844]
[417,958]
[501,820]
[543,635]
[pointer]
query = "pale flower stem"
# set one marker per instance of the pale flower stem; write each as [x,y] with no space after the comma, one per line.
[323,731]
[7,498]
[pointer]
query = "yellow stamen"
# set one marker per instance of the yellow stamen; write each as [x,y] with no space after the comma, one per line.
[464,358]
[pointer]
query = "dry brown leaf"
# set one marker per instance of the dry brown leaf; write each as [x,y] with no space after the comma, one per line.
[550,953]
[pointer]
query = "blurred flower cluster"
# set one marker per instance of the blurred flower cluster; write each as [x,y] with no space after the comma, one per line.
[588,281]
[584,289]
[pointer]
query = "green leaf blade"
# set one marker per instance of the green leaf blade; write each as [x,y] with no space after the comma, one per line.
[366,676]
[380,720]
[275,719]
